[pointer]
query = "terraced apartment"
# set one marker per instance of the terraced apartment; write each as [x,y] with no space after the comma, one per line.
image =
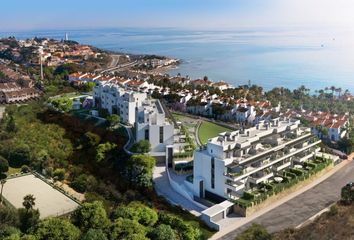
[239,161]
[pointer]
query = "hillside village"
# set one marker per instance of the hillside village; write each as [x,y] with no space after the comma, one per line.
[205,98]
[223,150]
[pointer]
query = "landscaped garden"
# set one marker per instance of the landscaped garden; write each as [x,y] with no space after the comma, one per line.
[289,178]
[209,130]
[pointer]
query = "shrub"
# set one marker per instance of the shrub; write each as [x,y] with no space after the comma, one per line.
[138,212]
[79,183]
[185,230]
[4,165]
[127,229]
[183,154]
[59,173]
[255,232]
[297,172]
[103,113]
[289,174]
[310,165]
[49,171]
[143,146]
[90,215]
[62,104]
[163,232]
[83,182]
[25,169]
[333,210]
[139,170]
[248,196]
[244,203]
[184,166]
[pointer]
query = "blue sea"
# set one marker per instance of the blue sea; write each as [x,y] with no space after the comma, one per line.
[267,57]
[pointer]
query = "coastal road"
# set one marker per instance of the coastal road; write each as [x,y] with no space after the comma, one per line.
[114,62]
[119,67]
[163,188]
[300,208]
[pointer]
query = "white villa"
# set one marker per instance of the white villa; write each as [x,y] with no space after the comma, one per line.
[151,124]
[134,108]
[118,100]
[238,161]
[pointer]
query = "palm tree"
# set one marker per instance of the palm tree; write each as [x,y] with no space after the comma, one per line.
[326,89]
[2,182]
[321,93]
[28,201]
[339,91]
[333,88]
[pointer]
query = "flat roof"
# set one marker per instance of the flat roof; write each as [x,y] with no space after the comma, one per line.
[239,137]
[49,201]
[217,208]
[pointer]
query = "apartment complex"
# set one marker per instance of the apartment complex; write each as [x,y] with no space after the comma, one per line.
[134,108]
[117,100]
[81,78]
[151,124]
[239,161]
[11,92]
[325,125]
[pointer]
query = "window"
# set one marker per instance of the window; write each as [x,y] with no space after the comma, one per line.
[161,134]
[212,169]
[146,134]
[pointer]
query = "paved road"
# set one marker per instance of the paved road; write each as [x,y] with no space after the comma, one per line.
[115,60]
[119,67]
[163,188]
[300,208]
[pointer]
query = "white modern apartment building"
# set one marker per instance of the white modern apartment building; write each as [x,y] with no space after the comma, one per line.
[151,124]
[118,100]
[239,161]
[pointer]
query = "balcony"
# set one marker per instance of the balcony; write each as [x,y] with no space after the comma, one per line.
[282,166]
[303,158]
[275,159]
[235,187]
[248,157]
[257,180]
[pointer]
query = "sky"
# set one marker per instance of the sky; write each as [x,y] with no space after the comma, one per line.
[17,15]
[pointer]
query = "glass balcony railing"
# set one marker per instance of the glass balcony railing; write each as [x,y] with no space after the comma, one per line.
[271,159]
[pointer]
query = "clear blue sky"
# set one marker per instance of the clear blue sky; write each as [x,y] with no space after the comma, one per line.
[197,14]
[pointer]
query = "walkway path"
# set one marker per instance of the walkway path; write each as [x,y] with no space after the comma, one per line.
[299,206]
[2,111]
[131,138]
[163,188]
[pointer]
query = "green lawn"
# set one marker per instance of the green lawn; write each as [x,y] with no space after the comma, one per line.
[209,130]
[13,171]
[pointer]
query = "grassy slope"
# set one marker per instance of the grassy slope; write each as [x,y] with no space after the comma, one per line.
[42,129]
[13,171]
[208,130]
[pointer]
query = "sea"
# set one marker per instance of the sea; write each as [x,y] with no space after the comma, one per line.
[316,58]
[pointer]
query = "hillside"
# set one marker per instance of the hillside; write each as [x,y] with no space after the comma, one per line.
[338,223]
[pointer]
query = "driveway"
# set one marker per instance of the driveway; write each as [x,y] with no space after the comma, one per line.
[163,188]
[300,208]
